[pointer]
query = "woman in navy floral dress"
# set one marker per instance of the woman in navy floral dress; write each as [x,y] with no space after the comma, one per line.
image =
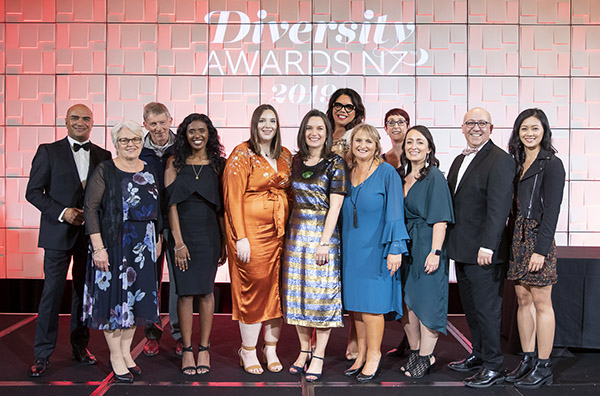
[122,218]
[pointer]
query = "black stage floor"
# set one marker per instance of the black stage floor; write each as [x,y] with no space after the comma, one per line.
[575,375]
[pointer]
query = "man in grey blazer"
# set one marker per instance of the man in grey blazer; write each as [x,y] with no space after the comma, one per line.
[56,187]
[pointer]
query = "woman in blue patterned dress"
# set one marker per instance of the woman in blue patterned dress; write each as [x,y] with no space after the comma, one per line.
[312,290]
[122,217]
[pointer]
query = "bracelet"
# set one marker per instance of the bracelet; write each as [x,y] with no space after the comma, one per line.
[182,246]
[99,249]
[326,244]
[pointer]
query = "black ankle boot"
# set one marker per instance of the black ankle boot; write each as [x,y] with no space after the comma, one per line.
[540,375]
[525,366]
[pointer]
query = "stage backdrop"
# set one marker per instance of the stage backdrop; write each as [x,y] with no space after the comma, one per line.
[434,58]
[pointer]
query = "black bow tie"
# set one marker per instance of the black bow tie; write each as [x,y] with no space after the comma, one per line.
[85,146]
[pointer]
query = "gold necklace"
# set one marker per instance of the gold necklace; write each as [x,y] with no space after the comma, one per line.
[197,173]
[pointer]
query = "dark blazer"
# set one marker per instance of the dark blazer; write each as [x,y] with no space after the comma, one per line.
[482,204]
[540,193]
[53,186]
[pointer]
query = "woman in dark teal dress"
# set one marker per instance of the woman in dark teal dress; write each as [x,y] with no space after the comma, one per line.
[427,210]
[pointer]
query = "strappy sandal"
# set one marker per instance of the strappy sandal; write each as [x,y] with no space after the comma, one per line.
[188,369]
[315,376]
[296,370]
[249,369]
[274,367]
[205,369]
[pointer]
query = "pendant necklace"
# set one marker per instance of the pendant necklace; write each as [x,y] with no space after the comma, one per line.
[354,202]
[197,173]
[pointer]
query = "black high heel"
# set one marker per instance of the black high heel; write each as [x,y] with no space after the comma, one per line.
[296,370]
[352,372]
[364,378]
[203,367]
[188,369]
[315,375]
[135,370]
[421,367]
[412,360]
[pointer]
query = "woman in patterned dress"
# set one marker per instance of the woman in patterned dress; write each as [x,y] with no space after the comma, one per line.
[255,184]
[122,217]
[312,291]
[539,184]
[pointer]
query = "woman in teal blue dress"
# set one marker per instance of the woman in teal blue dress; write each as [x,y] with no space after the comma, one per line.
[427,208]
[374,238]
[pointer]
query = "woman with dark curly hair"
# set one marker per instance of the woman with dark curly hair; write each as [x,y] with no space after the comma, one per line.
[427,210]
[344,111]
[539,184]
[193,183]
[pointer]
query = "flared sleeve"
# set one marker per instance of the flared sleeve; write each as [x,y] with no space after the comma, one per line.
[438,207]
[394,236]
[235,182]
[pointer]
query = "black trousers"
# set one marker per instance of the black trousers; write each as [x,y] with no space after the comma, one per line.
[480,289]
[56,266]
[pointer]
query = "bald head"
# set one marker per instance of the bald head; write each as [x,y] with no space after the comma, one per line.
[477,127]
[79,122]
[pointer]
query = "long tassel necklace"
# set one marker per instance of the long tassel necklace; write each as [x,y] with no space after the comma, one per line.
[354,202]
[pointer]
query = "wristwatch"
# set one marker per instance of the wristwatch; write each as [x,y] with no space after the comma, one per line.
[437,252]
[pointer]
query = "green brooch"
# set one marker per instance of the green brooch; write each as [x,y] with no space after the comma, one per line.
[307,174]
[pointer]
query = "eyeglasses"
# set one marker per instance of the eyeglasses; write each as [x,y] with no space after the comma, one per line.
[471,124]
[392,123]
[125,141]
[348,107]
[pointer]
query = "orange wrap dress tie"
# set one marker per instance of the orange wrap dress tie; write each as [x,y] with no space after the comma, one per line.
[257,208]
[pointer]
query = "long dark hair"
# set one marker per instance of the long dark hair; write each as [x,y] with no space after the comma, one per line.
[303,150]
[430,160]
[214,149]
[359,108]
[515,146]
[253,142]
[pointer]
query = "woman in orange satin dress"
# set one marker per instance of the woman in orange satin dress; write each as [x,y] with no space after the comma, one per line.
[255,183]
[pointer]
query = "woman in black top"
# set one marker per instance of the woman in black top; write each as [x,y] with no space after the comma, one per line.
[195,199]
[539,184]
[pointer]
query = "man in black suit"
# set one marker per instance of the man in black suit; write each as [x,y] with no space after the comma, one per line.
[56,187]
[481,181]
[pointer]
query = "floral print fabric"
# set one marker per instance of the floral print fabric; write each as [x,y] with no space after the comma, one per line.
[126,294]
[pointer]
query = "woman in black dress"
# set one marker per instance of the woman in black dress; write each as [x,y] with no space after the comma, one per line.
[539,184]
[193,183]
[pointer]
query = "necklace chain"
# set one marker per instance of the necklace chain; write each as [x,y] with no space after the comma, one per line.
[197,174]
